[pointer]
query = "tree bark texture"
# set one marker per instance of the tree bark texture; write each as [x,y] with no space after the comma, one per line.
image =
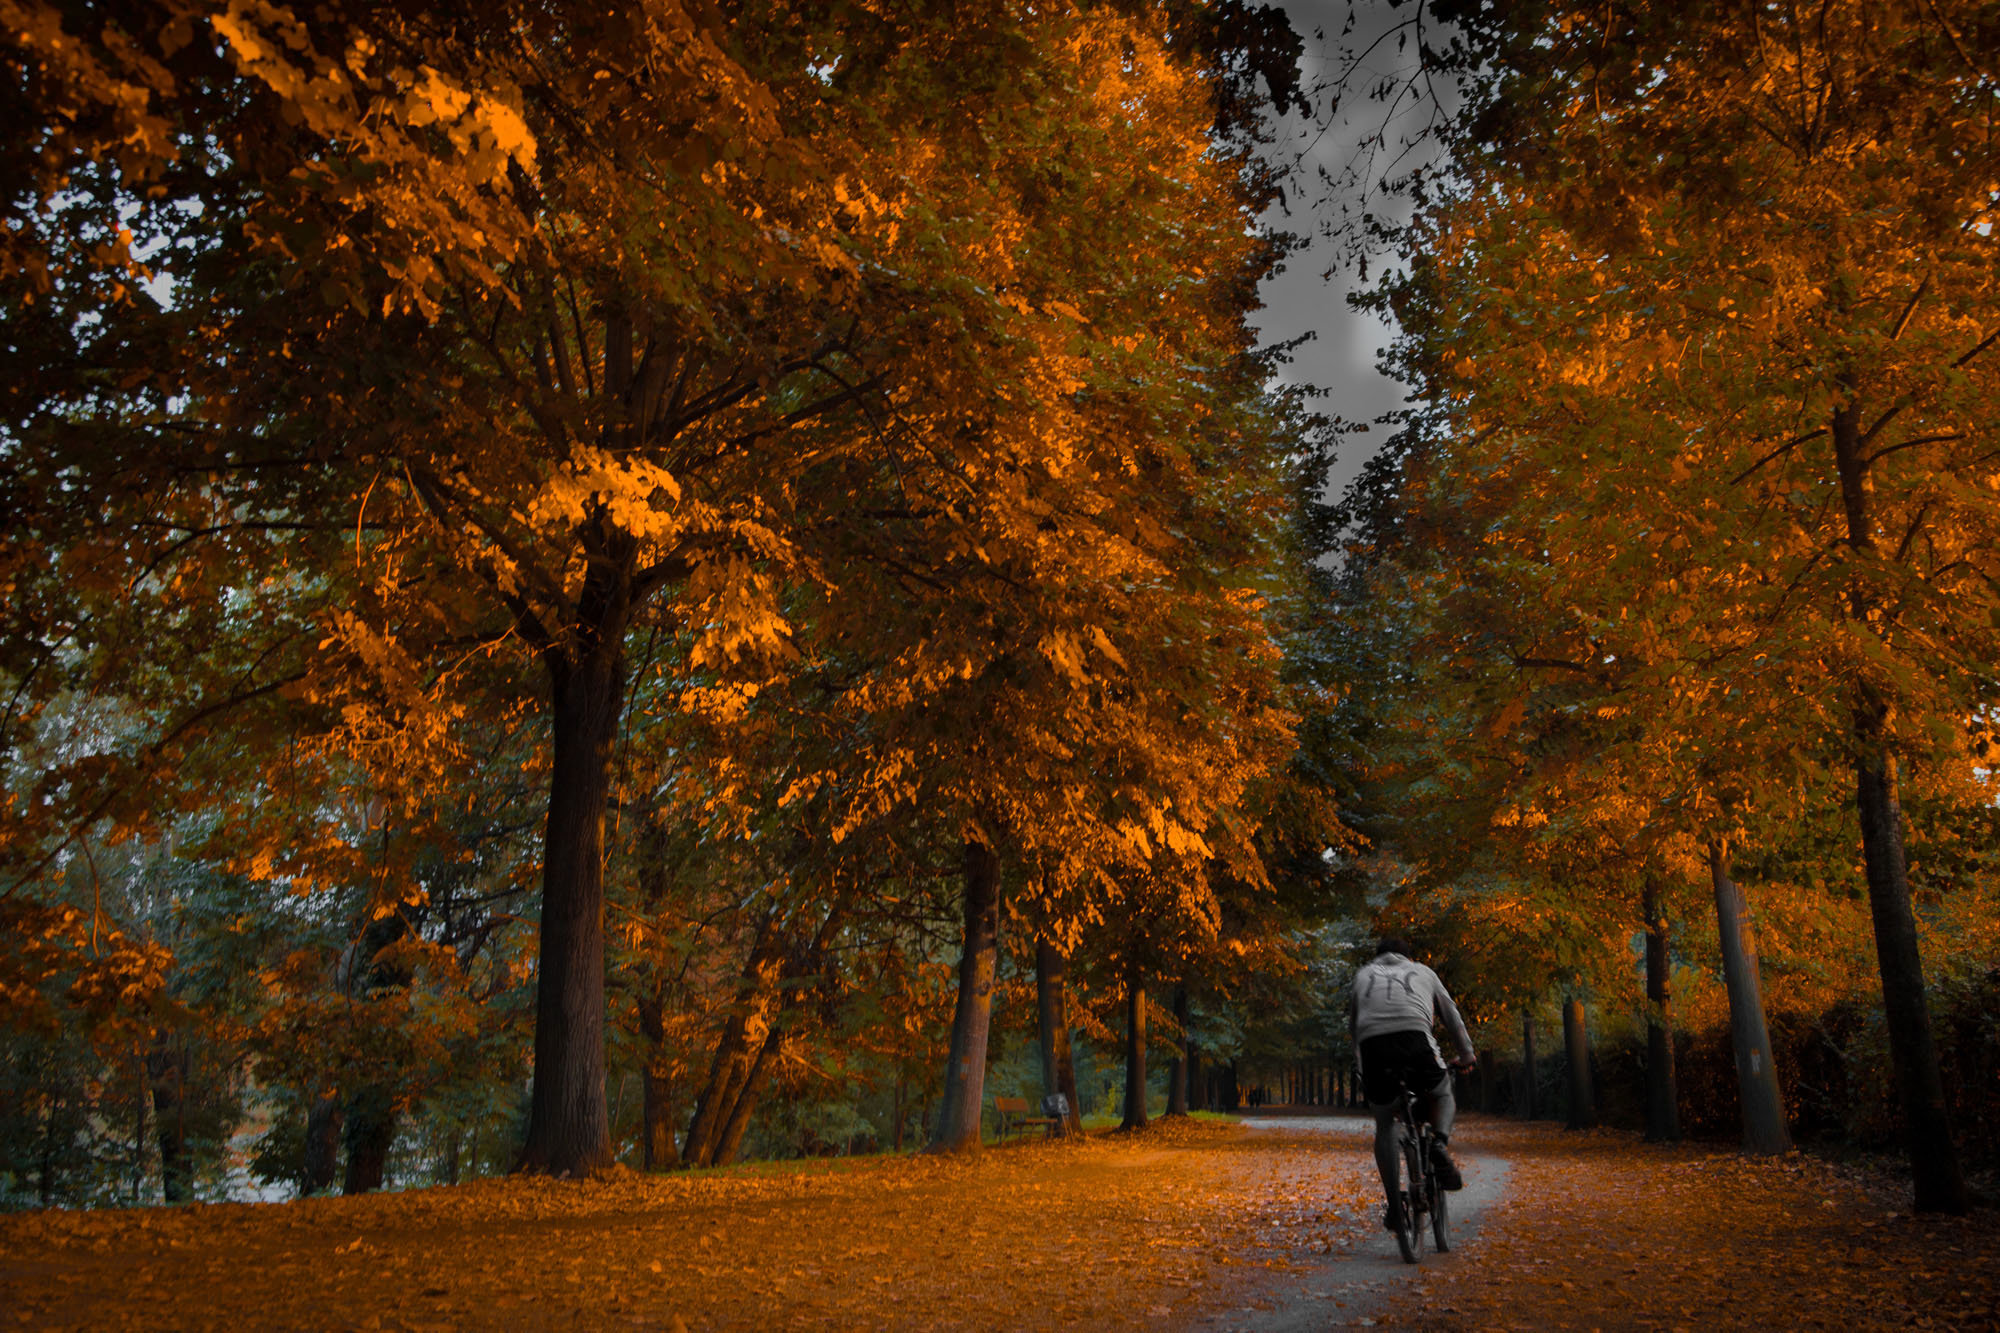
[1177,1073]
[369,1116]
[658,1117]
[323,1126]
[167,1065]
[1576,1047]
[1527,1065]
[1052,1011]
[731,1141]
[569,1129]
[752,1020]
[370,1130]
[1940,1183]
[1663,1115]
[1135,1049]
[1764,1128]
[972,1017]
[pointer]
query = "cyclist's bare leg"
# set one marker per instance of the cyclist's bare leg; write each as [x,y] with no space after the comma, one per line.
[1385,1146]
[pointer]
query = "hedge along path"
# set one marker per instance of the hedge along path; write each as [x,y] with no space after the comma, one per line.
[1598,1230]
[1159,1228]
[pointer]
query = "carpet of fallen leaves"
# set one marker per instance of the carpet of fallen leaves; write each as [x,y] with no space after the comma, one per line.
[1177,1226]
[1115,1231]
[1597,1230]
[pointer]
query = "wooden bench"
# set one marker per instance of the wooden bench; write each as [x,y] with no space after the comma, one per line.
[1015,1114]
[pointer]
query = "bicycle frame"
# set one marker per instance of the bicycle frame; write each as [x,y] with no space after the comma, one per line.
[1423,1203]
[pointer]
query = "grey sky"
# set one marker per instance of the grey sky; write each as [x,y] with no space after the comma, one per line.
[1305,297]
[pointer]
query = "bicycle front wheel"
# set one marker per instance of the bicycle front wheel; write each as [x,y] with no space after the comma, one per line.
[1441,1220]
[1417,1197]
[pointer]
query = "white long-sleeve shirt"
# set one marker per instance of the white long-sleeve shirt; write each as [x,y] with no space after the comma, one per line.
[1398,994]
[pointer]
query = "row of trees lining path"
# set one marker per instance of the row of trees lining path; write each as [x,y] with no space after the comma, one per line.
[621,557]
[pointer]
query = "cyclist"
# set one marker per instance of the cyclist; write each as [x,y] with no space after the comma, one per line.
[1391,1011]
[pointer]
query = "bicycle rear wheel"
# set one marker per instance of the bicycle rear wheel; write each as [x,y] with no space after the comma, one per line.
[1408,1238]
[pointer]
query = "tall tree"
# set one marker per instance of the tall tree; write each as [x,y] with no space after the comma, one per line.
[1737,261]
[502,333]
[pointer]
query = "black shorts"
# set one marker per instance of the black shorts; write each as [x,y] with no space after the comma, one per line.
[1396,1060]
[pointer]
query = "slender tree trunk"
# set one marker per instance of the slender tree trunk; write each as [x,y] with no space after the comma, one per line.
[1489,1080]
[167,1064]
[1198,1099]
[657,1111]
[1663,1116]
[1527,1065]
[1576,1047]
[1177,1072]
[735,1057]
[1764,1129]
[965,1064]
[140,1096]
[1135,1049]
[1940,1184]
[569,1130]
[736,1049]
[324,1122]
[746,1101]
[1052,1009]
[51,1135]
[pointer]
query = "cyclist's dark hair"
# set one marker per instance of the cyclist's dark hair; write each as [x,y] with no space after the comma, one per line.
[1393,944]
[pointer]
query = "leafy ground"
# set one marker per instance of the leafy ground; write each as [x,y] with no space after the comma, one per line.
[1596,1230]
[1185,1225]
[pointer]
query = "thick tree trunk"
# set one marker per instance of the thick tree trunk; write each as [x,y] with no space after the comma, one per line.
[965,1064]
[569,1130]
[1663,1115]
[1576,1047]
[1489,1081]
[370,1130]
[1527,1065]
[1198,1099]
[1135,1049]
[167,1064]
[1940,1184]
[1764,1129]
[1229,1096]
[323,1126]
[658,1115]
[1052,1009]
[1177,1073]
[369,1117]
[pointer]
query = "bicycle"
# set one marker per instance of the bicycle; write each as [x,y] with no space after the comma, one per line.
[1420,1197]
